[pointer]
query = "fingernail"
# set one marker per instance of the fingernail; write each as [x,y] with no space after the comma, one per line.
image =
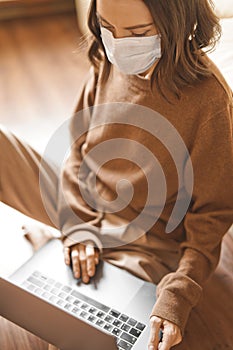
[85,279]
[76,274]
[151,347]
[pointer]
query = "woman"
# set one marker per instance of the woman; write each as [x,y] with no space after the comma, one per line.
[147,57]
[183,82]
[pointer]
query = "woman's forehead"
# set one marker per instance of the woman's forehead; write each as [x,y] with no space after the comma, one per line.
[124,12]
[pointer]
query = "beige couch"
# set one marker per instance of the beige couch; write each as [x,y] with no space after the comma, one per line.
[223,54]
[82,9]
[224,8]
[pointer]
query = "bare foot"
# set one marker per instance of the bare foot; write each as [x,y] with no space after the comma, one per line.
[37,234]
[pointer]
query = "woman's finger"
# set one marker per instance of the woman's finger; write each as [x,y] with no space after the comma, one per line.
[166,345]
[155,323]
[96,256]
[83,263]
[90,253]
[66,252]
[171,335]
[75,262]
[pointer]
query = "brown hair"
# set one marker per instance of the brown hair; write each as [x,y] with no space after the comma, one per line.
[186,27]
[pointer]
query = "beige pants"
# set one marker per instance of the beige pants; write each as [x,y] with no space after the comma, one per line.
[19,181]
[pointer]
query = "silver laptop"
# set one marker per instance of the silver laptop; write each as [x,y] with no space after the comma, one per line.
[111,312]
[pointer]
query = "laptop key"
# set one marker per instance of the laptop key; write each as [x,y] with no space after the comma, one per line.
[92,318]
[92,310]
[62,295]
[46,295]
[108,327]
[43,277]
[117,323]
[77,302]
[70,299]
[91,301]
[35,281]
[124,345]
[67,289]
[140,326]
[132,322]
[25,284]
[129,338]
[114,313]
[53,298]
[124,318]
[125,327]
[55,291]
[75,310]
[47,287]
[100,314]
[61,302]
[84,314]
[38,291]
[31,287]
[135,332]
[100,323]
[116,331]
[108,319]
[68,306]
[84,306]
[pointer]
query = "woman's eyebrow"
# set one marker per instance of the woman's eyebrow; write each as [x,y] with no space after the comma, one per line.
[139,26]
[128,28]
[102,19]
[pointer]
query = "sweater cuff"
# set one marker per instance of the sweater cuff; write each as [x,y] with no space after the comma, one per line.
[78,234]
[81,237]
[172,307]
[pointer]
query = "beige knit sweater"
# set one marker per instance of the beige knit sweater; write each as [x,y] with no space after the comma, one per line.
[180,261]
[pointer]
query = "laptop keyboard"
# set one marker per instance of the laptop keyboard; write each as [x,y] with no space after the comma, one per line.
[126,329]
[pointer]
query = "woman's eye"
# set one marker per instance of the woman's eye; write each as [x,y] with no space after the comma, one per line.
[104,26]
[140,34]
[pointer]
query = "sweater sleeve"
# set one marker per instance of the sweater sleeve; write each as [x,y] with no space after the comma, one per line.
[78,221]
[209,217]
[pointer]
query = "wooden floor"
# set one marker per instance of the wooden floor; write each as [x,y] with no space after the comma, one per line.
[41,69]
[13,337]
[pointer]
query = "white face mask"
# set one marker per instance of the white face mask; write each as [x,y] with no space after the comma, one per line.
[131,55]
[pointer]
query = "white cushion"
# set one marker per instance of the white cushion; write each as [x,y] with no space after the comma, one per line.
[82,7]
[224,8]
[223,54]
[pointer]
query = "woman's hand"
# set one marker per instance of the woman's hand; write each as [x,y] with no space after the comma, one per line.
[83,258]
[171,334]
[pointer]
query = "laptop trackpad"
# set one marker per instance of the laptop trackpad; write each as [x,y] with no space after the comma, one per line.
[112,286]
